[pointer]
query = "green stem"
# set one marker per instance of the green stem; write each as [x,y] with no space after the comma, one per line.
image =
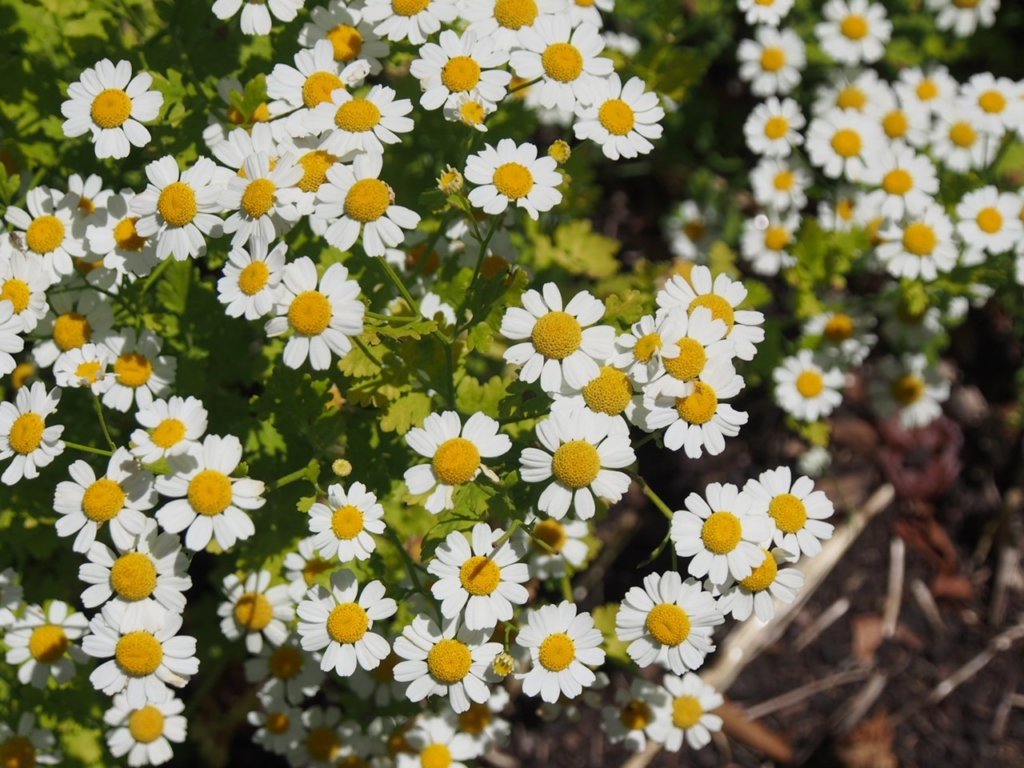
[155,275]
[410,567]
[655,498]
[645,440]
[476,275]
[291,477]
[87,449]
[527,84]
[508,535]
[103,421]
[567,586]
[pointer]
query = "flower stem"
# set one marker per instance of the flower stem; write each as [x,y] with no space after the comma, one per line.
[103,421]
[410,567]
[87,448]
[655,498]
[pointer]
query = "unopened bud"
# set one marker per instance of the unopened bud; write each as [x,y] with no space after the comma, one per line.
[560,151]
[503,664]
[450,181]
[341,467]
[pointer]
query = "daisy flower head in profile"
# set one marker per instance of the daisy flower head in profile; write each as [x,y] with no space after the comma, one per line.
[41,644]
[412,20]
[580,459]
[767,12]
[117,498]
[635,711]
[117,242]
[451,661]
[170,427]
[178,209]
[721,532]
[502,20]
[73,320]
[563,645]
[921,247]
[692,703]
[556,545]
[805,388]
[772,61]
[756,594]
[959,142]
[109,103]
[205,500]
[141,373]
[251,276]
[358,124]
[256,14]
[351,36]
[263,200]
[964,17]
[23,284]
[476,578]
[910,388]
[988,222]
[773,127]
[24,434]
[906,181]
[669,622]
[343,526]
[322,314]
[145,733]
[355,200]
[513,175]
[854,31]
[844,336]
[558,344]
[11,341]
[436,741]
[143,656]
[622,119]
[28,740]
[779,185]
[460,65]
[841,142]
[566,60]
[455,452]
[45,229]
[798,512]
[255,609]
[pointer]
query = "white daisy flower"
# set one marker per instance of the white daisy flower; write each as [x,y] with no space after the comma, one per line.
[841,216]
[757,593]
[622,119]
[179,208]
[556,544]
[455,452]
[241,144]
[723,535]
[698,339]
[45,229]
[989,222]
[74,319]
[29,741]
[861,91]
[278,724]
[797,511]
[41,644]
[853,31]
[365,124]
[255,609]
[636,709]
[351,36]
[24,434]
[963,17]
[432,308]
[768,12]
[304,567]
[513,175]
[378,685]
[321,743]
[342,527]
[143,657]
[312,81]
[564,58]
[722,296]
[772,61]
[588,11]
[960,143]
[23,282]
[321,317]
[692,702]
[773,127]
[256,13]
[470,110]
[171,427]
[841,142]
[779,185]
[766,239]
[668,622]
[116,240]
[805,389]
[434,741]
[140,371]
[263,200]
[450,661]
[921,247]
[207,501]
[689,230]
[558,346]
[907,182]
[340,625]
[925,91]
[842,336]
[563,645]
[902,125]
[502,20]
[10,596]
[11,342]
[484,581]
[286,669]
[460,65]
[145,733]
[412,20]
[112,105]
[609,393]
[910,388]
[248,287]
[580,456]
[483,722]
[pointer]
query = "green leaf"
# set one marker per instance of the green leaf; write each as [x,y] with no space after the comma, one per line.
[604,620]
[406,412]
[472,396]
[579,250]
[357,364]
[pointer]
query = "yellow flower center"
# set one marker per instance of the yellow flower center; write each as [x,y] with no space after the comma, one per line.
[773,59]
[695,230]
[721,532]
[852,97]
[788,512]
[126,236]
[409,7]
[210,492]
[990,220]
[253,611]
[585,3]
[552,533]
[611,392]
[690,362]
[357,116]
[847,142]
[139,653]
[89,371]
[513,180]
[617,117]
[963,134]
[810,384]
[71,330]
[576,464]
[103,500]
[435,756]
[562,62]
[908,389]
[177,204]
[347,42]
[347,623]
[699,406]
[461,73]
[838,328]
[895,124]
[26,433]
[17,292]
[146,724]
[277,722]
[472,113]
[763,576]
[456,461]
[133,576]
[898,182]
[285,662]
[17,752]
[475,719]
[668,624]
[368,200]
[647,346]
[48,643]
[966,3]
[253,278]
[347,522]
[636,715]
[557,652]
[557,335]
[315,165]
[784,180]
[313,568]
[720,308]
[133,370]
[479,575]
[515,14]
[776,127]
[449,661]
[258,197]
[992,102]
[845,209]
[168,433]
[927,90]
[111,108]
[686,712]
[854,27]
[310,313]
[318,88]
[45,234]
[323,744]
[776,238]
[919,239]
